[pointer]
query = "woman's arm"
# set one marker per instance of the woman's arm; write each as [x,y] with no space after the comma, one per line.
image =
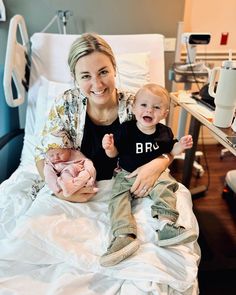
[40,167]
[81,196]
[56,122]
[53,132]
[147,175]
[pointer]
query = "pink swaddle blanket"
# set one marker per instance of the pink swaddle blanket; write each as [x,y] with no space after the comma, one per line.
[70,176]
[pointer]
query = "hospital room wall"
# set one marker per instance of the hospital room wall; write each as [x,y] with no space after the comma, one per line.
[217,18]
[103,17]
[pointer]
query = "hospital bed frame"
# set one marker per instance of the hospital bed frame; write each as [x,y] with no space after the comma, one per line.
[16,84]
[48,231]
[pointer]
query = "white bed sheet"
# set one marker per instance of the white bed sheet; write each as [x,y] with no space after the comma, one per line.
[50,247]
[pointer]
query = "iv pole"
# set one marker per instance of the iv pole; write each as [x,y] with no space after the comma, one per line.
[62,15]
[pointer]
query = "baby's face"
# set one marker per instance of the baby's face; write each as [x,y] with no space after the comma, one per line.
[149,108]
[58,155]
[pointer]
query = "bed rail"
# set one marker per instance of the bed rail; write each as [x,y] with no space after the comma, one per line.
[9,136]
[10,152]
[17,62]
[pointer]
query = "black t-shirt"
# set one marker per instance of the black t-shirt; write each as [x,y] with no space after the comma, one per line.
[136,148]
[92,148]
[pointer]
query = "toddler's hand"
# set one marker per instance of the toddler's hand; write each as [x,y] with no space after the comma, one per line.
[108,141]
[186,141]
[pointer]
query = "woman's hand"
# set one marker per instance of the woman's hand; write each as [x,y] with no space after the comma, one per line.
[147,175]
[81,196]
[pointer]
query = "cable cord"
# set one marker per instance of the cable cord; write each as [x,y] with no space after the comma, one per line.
[50,23]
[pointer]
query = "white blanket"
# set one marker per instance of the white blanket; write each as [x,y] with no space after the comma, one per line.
[50,246]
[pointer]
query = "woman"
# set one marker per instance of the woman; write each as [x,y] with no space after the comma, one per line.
[92,109]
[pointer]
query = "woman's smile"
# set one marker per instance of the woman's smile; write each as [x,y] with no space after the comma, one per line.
[95,77]
[98,92]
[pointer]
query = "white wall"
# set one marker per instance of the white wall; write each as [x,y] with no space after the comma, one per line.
[214,16]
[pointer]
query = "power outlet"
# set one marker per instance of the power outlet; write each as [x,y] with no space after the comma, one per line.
[2,12]
[170,44]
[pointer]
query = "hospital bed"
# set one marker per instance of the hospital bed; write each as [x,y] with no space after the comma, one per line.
[49,246]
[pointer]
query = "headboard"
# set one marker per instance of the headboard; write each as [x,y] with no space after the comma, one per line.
[50,52]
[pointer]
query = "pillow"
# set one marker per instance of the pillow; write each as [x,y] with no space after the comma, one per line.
[133,70]
[47,92]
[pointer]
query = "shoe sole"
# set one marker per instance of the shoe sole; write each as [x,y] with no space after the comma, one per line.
[120,255]
[184,238]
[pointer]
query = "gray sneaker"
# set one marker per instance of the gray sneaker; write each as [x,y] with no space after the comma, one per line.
[119,249]
[174,235]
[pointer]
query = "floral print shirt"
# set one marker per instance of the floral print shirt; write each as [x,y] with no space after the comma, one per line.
[66,120]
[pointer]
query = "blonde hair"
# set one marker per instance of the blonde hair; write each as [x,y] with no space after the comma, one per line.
[156,90]
[86,44]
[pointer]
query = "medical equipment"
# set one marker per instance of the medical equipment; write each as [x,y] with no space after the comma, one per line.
[191,40]
[191,71]
[225,94]
[61,242]
[188,73]
[61,15]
